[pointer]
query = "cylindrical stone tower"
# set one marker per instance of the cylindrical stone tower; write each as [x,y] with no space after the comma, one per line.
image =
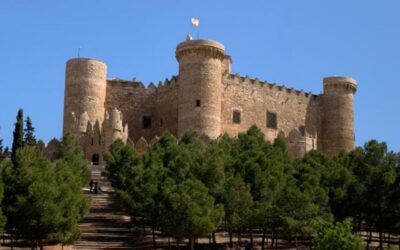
[200,76]
[85,91]
[338,114]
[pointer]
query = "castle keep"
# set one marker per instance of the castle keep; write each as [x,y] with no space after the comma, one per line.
[207,97]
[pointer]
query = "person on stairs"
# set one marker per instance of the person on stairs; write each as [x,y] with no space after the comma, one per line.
[95,189]
[91,185]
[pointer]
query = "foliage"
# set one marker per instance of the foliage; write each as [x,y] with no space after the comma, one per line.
[375,197]
[6,153]
[29,139]
[188,210]
[2,156]
[42,202]
[157,185]
[70,157]
[18,135]
[238,205]
[337,236]
[189,189]
[3,218]
[120,159]
[335,178]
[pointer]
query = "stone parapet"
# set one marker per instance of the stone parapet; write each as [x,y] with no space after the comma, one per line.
[342,83]
[204,47]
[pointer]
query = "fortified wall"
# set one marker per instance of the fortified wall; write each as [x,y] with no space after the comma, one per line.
[207,97]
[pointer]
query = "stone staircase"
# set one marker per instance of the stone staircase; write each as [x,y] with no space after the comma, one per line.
[105,227]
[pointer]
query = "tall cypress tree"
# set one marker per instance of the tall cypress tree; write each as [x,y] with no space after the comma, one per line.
[6,152]
[18,135]
[30,138]
[1,150]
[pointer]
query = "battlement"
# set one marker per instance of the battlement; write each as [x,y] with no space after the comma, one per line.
[170,82]
[162,86]
[85,60]
[273,86]
[127,83]
[204,47]
[333,83]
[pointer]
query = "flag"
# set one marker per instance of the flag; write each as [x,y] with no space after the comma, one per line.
[195,21]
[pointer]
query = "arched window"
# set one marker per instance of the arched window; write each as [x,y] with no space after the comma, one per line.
[302,130]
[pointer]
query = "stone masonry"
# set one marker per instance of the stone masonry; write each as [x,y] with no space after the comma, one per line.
[207,97]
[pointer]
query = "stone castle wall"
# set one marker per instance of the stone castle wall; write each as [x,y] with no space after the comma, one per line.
[166,110]
[204,96]
[253,99]
[136,101]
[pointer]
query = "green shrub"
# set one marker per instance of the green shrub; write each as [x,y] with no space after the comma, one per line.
[337,236]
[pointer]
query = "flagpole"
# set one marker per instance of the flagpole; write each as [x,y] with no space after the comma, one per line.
[195,23]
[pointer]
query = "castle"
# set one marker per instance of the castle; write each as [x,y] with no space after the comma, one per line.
[207,97]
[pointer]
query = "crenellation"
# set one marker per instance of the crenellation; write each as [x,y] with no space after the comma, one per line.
[51,148]
[203,96]
[141,145]
[154,140]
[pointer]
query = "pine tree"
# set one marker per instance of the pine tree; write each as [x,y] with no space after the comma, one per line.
[18,140]
[6,152]
[70,156]
[1,145]
[30,138]
[1,150]
[42,202]
[337,236]
[188,211]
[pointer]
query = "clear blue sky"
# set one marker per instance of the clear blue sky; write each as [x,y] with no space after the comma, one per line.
[295,43]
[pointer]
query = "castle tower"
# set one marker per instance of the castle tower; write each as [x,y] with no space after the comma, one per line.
[200,76]
[338,118]
[85,91]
